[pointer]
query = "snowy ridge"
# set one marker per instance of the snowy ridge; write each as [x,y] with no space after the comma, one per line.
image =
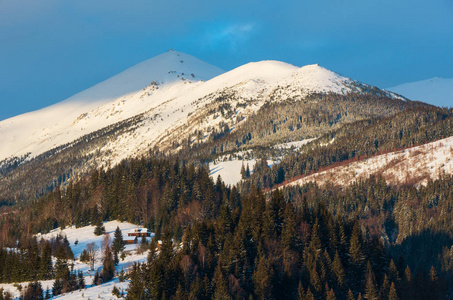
[100,105]
[174,105]
[437,91]
[415,165]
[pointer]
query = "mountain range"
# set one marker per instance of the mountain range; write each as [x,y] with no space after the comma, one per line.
[173,103]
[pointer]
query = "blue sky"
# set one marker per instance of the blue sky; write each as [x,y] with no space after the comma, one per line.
[52,49]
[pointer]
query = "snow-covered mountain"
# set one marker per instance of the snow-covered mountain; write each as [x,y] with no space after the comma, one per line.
[170,90]
[115,99]
[437,91]
[166,103]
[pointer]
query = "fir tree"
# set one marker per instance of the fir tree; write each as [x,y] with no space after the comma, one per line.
[117,244]
[300,292]
[46,268]
[393,271]
[99,229]
[331,295]
[262,279]
[371,291]
[392,293]
[108,270]
[221,289]
[33,291]
[337,268]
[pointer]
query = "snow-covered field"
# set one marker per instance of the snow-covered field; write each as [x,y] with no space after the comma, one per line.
[85,235]
[229,168]
[414,165]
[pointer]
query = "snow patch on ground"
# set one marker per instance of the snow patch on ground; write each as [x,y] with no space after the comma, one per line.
[85,235]
[415,165]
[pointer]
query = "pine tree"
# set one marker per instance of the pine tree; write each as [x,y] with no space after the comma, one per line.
[46,267]
[355,248]
[315,241]
[371,291]
[393,271]
[315,281]
[221,289]
[108,270]
[384,292]
[331,295]
[309,295]
[33,291]
[262,279]
[61,265]
[81,280]
[337,268]
[408,275]
[96,279]
[300,292]
[99,229]
[289,233]
[392,293]
[117,244]
[136,286]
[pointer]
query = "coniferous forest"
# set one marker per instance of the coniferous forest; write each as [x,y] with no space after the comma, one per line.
[366,241]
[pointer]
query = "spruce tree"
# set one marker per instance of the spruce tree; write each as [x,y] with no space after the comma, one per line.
[46,268]
[337,268]
[262,279]
[392,293]
[371,291]
[331,295]
[108,270]
[300,292]
[221,289]
[117,244]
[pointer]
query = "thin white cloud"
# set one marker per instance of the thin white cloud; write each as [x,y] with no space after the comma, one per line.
[230,36]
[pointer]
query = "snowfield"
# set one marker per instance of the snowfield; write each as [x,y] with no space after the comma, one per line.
[229,168]
[84,236]
[415,165]
[174,96]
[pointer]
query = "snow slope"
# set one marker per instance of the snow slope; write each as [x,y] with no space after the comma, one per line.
[83,236]
[172,103]
[229,167]
[437,91]
[44,129]
[412,166]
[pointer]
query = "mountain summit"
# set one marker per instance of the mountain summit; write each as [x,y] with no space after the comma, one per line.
[44,129]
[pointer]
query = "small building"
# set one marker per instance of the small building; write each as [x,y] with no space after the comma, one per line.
[130,240]
[136,235]
[139,232]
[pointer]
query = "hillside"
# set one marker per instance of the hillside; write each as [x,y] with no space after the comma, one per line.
[412,166]
[176,112]
[115,99]
[78,239]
